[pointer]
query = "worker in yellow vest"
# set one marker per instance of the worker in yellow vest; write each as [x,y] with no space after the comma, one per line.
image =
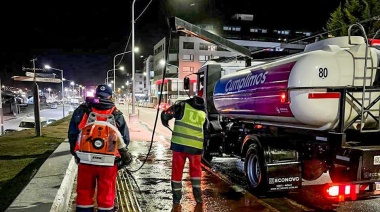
[190,129]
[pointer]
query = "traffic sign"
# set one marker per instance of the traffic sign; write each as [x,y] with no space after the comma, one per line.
[38,79]
[45,75]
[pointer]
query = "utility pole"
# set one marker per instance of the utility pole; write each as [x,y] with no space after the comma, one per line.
[133,57]
[1,113]
[36,101]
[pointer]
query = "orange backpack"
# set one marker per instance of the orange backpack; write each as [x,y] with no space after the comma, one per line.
[99,141]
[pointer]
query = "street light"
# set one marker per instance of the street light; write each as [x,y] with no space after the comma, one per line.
[114,66]
[162,62]
[121,68]
[73,93]
[133,57]
[62,93]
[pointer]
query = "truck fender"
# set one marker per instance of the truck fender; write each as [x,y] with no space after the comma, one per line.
[248,140]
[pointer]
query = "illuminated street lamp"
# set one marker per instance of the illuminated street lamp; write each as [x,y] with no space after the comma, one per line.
[62,94]
[114,65]
[72,83]
[121,68]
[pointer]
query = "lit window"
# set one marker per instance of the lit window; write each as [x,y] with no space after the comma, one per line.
[203,46]
[188,57]
[236,29]
[204,58]
[212,47]
[226,28]
[188,45]
[253,30]
[188,69]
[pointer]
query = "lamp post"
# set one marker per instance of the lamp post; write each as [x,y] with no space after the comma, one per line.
[73,84]
[114,65]
[133,57]
[62,93]
[162,62]
[121,68]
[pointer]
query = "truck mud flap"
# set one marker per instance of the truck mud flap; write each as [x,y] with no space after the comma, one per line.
[284,176]
[361,163]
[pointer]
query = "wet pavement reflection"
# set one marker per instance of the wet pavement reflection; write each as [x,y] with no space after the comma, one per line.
[153,180]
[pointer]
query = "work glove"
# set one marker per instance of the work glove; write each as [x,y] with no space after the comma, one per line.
[72,151]
[77,159]
[125,158]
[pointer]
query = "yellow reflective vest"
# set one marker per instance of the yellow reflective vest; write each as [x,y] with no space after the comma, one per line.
[188,132]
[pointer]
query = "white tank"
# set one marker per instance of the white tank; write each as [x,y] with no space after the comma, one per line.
[293,91]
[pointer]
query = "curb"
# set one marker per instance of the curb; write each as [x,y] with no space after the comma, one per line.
[52,178]
[62,199]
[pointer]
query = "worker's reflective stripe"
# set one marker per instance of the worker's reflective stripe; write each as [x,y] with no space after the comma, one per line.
[195,178]
[174,181]
[85,206]
[187,136]
[187,140]
[176,184]
[195,183]
[99,208]
[179,123]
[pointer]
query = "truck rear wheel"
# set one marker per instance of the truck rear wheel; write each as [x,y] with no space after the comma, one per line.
[254,169]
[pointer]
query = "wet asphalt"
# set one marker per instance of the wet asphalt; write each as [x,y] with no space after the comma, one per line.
[223,183]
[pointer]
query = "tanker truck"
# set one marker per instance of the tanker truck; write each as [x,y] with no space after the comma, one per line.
[300,116]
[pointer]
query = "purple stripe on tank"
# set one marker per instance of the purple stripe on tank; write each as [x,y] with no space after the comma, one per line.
[257,92]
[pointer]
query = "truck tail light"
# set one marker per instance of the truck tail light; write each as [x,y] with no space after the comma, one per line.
[340,192]
[284,97]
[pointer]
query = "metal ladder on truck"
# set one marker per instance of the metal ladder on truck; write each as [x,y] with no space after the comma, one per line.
[366,105]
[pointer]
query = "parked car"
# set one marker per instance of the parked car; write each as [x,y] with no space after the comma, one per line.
[9,131]
[53,106]
[121,101]
[29,122]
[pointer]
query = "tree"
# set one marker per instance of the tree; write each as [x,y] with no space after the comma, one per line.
[365,12]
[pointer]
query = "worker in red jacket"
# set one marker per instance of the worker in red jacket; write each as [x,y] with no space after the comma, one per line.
[98,136]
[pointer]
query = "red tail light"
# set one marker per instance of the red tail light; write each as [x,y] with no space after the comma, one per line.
[340,192]
[284,98]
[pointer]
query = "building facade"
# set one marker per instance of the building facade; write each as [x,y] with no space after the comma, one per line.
[186,54]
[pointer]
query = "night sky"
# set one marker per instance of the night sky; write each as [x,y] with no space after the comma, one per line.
[82,38]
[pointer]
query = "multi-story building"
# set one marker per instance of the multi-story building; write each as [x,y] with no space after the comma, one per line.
[140,86]
[187,54]
[149,75]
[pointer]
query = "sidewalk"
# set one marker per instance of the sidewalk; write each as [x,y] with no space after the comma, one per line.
[51,187]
